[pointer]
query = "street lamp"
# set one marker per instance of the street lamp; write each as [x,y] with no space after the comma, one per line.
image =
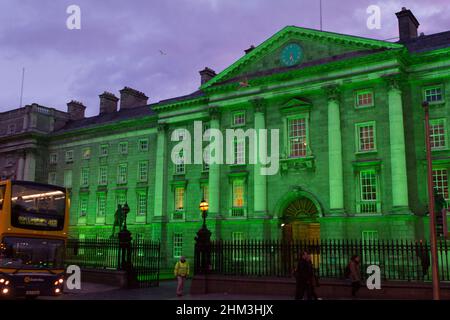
[204,206]
[433,242]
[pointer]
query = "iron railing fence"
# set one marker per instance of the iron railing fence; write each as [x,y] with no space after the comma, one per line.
[105,254]
[397,259]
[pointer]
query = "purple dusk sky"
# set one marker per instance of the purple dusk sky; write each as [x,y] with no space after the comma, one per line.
[120,41]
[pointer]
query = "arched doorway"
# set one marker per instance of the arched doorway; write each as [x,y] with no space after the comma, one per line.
[300,220]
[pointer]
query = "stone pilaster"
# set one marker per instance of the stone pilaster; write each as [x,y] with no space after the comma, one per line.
[336,184]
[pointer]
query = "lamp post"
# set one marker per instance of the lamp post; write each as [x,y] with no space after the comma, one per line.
[433,240]
[203,244]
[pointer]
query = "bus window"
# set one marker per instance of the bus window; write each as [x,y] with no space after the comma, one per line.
[2,196]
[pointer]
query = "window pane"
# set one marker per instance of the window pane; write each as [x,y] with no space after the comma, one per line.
[366,137]
[297,137]
[440,181]
[437,134]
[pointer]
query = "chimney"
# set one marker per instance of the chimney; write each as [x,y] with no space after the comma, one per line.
[131,98]
[407,25]
[76,110]
[247,51]
[108,103]
[206,75]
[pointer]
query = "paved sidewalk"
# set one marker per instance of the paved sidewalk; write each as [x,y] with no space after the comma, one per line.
[165,291]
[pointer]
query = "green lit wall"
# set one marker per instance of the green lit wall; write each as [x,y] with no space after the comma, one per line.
[326,93]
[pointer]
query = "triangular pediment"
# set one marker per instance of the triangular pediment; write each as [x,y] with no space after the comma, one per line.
[295,47]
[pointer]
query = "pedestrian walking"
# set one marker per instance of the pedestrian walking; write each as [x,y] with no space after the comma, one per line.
[181,273]
[355,274]
[304,277]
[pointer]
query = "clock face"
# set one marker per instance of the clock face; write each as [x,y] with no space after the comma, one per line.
[291,55]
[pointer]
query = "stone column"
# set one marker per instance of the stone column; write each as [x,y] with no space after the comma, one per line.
[29,173]
[20,166]
[160,170]
[214,170]
[397,146]
[336,184]
[259,180]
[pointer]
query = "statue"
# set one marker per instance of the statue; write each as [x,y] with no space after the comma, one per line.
[118,220]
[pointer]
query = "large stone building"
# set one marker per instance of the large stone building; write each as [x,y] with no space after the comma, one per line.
[352,158]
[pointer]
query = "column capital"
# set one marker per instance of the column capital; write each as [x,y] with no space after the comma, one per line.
[333,92]
[259,104]
[162,127]
[394,81]
[214,112]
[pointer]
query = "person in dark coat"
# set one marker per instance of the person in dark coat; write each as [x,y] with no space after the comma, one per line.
[304,276]
[355,274]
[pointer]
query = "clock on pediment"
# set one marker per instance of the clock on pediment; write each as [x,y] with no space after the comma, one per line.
[291,55]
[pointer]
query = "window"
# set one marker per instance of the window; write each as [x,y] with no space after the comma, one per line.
[238,198]
[122,170]
[364,98]
[370,254]
[440,181]
[123,147]
[368,192]
[103,152]
[103,176]
[121,198]
[69,156]
[142,204]
[239,118]
[366,136]
[206,155]
[239,254]
[177,245]
[438,134]
[53,158]
[11,128]
[52,178]
[239,151]
[86,153]
[143,171]
[84,181]
[83,206]
[143,145]
[433,94]
[206,160]
[101,205]
[205,192]
[68,178]
[179,202]
[237,236]
[179,165]
[297,137]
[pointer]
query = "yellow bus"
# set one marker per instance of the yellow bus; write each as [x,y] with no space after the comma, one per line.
[33,233]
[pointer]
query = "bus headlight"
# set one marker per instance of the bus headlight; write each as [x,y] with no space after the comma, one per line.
[6,282]
[2,280]
[57,290]
[58,282]
[61,281]
[5,291]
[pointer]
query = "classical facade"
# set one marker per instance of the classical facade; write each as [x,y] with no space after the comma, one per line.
[352,160]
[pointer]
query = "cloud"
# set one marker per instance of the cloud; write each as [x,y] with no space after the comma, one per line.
[120,42]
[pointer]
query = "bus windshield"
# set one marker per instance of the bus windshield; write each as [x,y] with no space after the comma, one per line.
[37,207]
[31,253]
